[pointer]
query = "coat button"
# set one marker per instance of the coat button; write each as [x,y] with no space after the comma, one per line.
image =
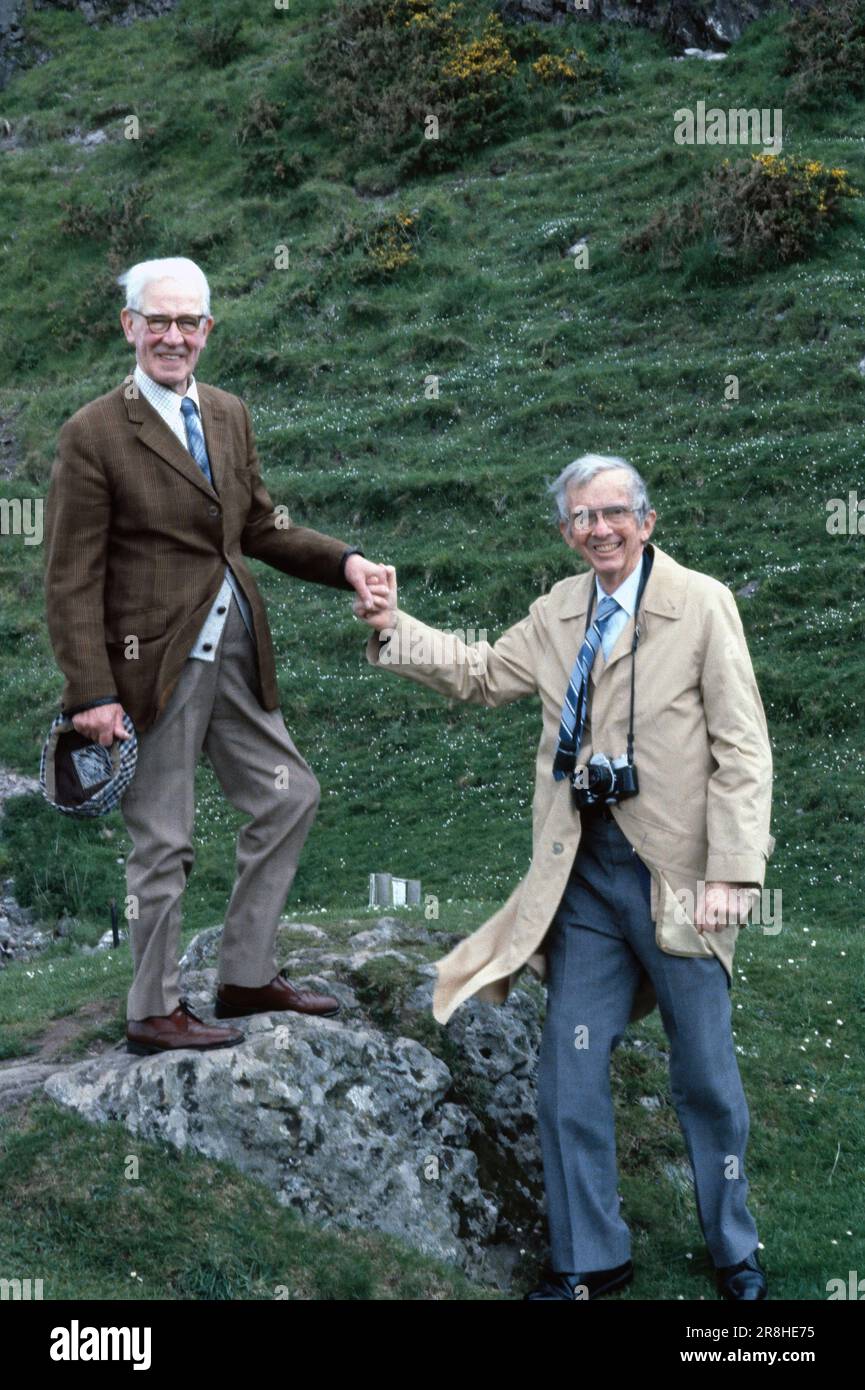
[557,848]
[213,511]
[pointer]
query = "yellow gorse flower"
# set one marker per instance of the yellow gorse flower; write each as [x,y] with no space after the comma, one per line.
[550,67]
[488,56]
[807,172]
[391,247]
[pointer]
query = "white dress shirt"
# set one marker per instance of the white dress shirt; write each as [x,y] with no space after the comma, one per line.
[626,597]
[167,404]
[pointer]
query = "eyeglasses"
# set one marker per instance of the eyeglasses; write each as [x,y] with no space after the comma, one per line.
[160,323]
[585,518]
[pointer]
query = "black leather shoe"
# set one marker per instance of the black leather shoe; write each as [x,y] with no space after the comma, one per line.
[747,1279]
[579,1287]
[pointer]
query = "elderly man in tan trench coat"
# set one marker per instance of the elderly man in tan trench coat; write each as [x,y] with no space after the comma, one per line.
[694,839]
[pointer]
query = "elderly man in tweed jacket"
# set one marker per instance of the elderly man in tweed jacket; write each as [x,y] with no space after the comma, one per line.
[155,499]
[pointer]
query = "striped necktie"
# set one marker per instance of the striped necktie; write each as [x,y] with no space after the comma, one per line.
[195,437]
[576,696]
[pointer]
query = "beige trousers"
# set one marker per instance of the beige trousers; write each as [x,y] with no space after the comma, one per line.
[215,706]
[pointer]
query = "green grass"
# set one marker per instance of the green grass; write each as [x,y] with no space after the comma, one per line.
[182,1228]
[537,363]
[799,1067]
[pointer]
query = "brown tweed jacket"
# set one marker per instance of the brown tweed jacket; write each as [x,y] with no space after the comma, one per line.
[137,542]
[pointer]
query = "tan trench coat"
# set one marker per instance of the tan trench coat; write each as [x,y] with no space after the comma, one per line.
[701,749]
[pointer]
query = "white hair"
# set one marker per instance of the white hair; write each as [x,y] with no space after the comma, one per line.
[186,272]
[586,467]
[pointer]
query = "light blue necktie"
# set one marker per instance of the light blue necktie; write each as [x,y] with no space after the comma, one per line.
[198,450]
[576,695]
[195,437]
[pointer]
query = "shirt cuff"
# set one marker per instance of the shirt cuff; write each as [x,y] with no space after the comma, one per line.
[354,550]
[91,704]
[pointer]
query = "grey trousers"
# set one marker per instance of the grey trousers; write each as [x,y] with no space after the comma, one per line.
[600,936]
[214,707]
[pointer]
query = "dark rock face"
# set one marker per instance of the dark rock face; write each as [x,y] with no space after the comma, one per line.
[11,37]
[683,23]
[13,53]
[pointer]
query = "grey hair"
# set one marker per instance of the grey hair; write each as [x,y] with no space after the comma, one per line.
[139,276]
[587,467]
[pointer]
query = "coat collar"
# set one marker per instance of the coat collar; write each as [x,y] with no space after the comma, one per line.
[664,592]
[155,434]
[664,595]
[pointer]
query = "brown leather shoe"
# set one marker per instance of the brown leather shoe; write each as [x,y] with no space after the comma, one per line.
[233,1001]
[182,1028]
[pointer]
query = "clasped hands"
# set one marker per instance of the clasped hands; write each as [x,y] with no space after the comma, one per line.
[375,587]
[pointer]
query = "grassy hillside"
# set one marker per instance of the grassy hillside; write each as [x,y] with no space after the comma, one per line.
[537,363]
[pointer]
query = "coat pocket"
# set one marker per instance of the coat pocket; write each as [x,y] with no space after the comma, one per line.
[674,927]
[143,623]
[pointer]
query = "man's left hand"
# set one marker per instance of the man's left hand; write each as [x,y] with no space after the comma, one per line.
[726,904]
[358,572]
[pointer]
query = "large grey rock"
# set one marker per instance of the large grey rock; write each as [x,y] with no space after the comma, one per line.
[377,1119]
[352,1120]
[349,1127]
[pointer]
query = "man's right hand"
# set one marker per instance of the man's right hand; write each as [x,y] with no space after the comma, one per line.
[384,596]
[101,723]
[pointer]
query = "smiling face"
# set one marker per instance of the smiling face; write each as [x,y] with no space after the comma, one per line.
[168,358]
[612,551]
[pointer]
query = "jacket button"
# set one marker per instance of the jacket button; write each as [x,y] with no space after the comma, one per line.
[557,848]
[213,511]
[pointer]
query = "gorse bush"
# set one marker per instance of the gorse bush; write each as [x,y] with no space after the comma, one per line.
[384,70]
[217,40]
[751,213]
[391,245]
[123,222]
[421,84]
[272,161]
[566,72]
[825,56]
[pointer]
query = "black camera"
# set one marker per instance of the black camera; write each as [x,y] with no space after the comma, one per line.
[609,780]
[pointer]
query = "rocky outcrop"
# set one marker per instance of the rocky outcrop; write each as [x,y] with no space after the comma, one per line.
[378,1119]
[14,52]
[11,37]
[353,1121]
[711,24]
[20,937]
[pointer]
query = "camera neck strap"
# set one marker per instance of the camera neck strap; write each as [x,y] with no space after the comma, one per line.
[648,560]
